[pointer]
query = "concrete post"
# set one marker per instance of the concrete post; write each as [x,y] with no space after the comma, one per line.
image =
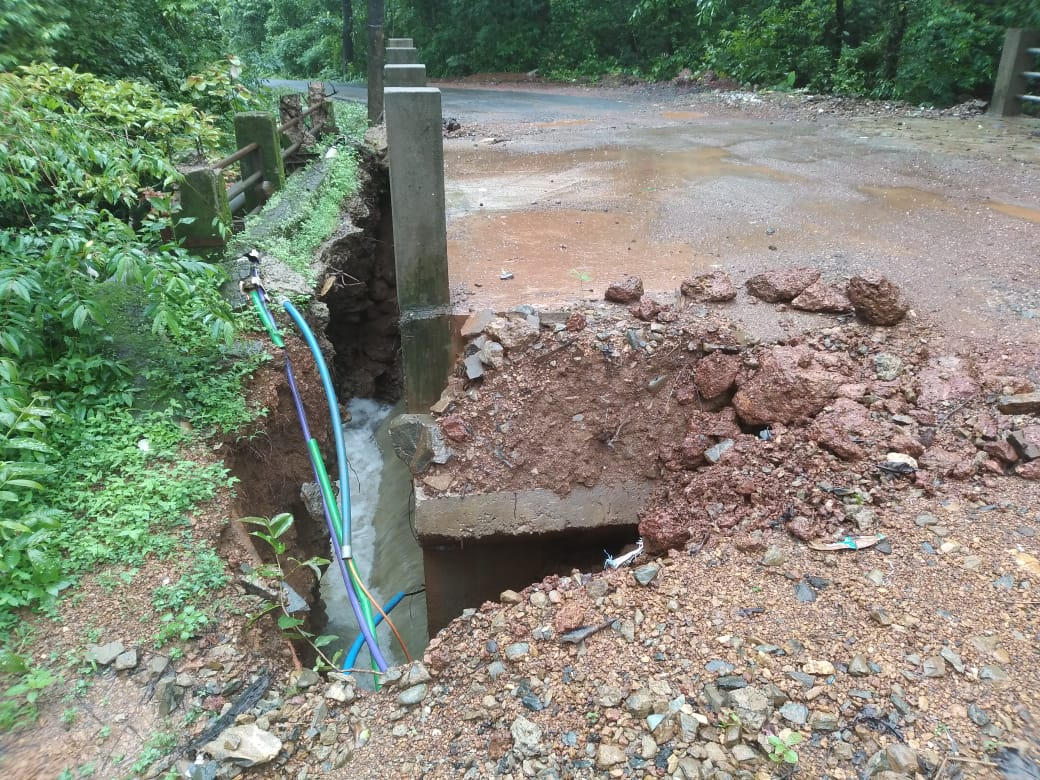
[203,200]
[402,56]
[416,150]
[404,76]
[376,60]
[261,129]
[1014,61]
[399,43]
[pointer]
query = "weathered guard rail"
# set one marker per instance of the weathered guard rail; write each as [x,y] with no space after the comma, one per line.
[1018,78]
[207,206]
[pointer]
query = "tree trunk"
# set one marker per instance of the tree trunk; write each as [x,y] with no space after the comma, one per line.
[839,25]
[376,57]
[895,41]
[348,34]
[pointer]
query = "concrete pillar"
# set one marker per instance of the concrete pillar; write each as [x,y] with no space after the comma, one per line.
[416,149]
[376,60]
[399,43]
[1014,61]
[203,200]
[404,76]
[261,129]
[402,56]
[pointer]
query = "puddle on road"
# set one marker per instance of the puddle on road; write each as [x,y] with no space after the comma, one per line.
[907,198]
[681,115]
[665,204]
[559,255]
[561,123]
[479,180]
[1028,214]
[911,199]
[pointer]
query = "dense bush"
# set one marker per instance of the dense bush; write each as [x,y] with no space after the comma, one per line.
[88,281]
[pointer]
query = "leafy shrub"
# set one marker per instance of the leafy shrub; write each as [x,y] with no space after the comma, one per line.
[106,145]
[219,88]
[781,46]
[91,295]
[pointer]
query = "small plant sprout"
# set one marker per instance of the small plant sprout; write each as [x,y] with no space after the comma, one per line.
[729,718]
[781,746]
[271,532]
[583,277]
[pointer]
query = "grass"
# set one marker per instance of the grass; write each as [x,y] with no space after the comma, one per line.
[126,493]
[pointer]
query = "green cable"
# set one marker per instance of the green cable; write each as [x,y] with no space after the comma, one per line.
[265,319]
[323,481]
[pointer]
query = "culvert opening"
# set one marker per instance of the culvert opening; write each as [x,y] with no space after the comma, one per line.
[511,563]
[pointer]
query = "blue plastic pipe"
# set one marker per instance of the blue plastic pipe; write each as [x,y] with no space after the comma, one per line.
[367,632]
[337,425]
[341,536]
[355,648]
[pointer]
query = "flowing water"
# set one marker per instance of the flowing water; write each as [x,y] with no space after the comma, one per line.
[385,550]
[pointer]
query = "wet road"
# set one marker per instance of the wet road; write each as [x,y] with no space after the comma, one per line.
[948,208]
[567,190]
[472,104]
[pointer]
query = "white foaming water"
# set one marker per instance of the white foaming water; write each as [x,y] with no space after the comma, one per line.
[385,552]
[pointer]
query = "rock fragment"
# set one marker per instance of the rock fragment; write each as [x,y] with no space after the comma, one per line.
[715,374]
[877,300]
[103,655]
[417,440]
[245,745]
[1022,403]
[1026,442]
[527,737]
[782,285]
[716,287]
[788,387]
[628,290]
[822,298]
[514,332]
[476,322]
[662,530]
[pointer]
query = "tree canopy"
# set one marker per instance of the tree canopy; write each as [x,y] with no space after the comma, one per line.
[933,51]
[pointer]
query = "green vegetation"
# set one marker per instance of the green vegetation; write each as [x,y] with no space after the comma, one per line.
[933,51]
[781,746]
[115,353]
[160,41]
[312,215]
[271,531]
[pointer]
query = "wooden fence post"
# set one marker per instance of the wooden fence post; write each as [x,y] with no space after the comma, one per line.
[261,129]
[323,118]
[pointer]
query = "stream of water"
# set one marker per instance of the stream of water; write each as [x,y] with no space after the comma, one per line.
[385,551]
